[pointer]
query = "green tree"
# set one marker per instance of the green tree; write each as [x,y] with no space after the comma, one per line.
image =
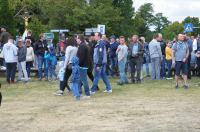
[171,31]
[37,27]
[143,20]
[77,15]
[160,22]
[127,12]
[6,16]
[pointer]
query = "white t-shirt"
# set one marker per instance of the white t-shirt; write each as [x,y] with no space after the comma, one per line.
[122,52]
[194,45]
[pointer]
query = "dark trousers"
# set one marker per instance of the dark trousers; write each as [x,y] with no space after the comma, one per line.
[28,67]
[68,73]
[169,68]
[163,70]
[135,64]
[198,67]
[188,66]
[11,71]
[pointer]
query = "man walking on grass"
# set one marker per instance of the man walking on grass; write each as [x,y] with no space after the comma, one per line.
[100,61]
[180,54]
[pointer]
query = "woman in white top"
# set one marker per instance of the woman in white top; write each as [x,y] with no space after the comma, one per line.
[70,52]
[29,56]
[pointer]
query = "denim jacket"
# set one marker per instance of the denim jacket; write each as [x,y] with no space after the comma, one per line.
[100,55]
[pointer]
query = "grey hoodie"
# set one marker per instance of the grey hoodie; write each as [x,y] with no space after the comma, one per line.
[155,49]
[10,52]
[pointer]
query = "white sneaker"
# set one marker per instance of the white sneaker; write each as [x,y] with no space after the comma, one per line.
[109,91]
[85,97]
[59,93]
[92,92]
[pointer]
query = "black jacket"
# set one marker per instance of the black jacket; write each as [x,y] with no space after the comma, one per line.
[83,55]
[163,46]
[40,47]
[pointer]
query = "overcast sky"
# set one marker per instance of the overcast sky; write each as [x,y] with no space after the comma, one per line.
[175,10]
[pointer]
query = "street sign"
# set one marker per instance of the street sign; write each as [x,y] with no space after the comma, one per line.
[188,27]
[49,35]
[88,31]
[101,28]
[59,30]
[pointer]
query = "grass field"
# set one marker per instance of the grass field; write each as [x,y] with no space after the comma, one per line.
[154,106]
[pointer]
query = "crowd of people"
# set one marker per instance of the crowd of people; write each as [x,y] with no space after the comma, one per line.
[97,56]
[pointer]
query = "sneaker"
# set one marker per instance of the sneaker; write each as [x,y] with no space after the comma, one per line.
[59,93]
[169,78]
[109,91]
[85,97]
[92,92]
[186,86]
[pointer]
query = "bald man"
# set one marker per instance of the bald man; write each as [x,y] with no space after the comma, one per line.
[180,54]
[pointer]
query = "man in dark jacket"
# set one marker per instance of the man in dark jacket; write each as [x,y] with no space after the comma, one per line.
[112,54]
[22,50]
[136,51]
[162,46]
[83,55]
[100,61]
[40,48]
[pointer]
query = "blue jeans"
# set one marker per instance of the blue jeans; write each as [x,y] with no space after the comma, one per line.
[41,62]
[122,66]
[147,69]
[169,68]
[51,71]
[155,68]
[113,62]
[83,75]
[75,88]
[163,70]
[97,73]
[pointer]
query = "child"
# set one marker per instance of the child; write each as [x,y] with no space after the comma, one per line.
[61,73]
[29,57]
[75,77]
[168,51]
[51,62]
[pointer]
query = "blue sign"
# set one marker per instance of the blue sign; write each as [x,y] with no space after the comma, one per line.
[188,27]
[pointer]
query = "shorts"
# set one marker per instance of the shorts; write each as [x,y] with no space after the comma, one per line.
[181,67]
